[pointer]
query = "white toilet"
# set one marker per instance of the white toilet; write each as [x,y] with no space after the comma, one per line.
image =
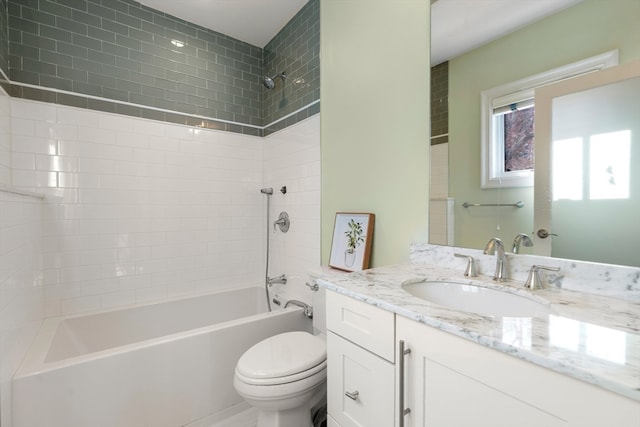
[283,377]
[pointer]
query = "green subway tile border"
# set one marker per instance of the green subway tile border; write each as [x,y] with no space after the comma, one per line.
[295,50]
[117,56]
[440,103]
[36,93]
[440,139]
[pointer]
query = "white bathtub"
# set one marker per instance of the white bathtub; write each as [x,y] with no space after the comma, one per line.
[165,364]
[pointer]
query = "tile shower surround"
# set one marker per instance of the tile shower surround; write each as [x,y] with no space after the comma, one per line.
[139,210]
[21,296]
[440,103]
[4,36]
[121,50]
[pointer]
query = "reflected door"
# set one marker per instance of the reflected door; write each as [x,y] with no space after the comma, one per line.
[587,188]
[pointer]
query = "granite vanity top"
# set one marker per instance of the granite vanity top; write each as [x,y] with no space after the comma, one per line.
[590,337]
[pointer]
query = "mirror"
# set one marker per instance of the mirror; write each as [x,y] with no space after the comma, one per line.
[580,31]
[588,132]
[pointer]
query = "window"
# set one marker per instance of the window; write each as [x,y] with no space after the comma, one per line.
[508,115]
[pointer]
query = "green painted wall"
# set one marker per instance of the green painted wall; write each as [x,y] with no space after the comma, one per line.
[588,29]
[375,119]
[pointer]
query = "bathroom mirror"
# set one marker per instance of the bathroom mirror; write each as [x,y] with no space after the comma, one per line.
[588,132]
[578,31]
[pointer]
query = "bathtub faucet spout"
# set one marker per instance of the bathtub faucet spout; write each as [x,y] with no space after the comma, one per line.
[278,279]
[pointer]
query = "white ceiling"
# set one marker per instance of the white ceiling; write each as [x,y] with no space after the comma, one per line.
[252,21]
[457,26]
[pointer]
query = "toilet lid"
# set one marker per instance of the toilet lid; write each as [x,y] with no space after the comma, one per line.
[282,355]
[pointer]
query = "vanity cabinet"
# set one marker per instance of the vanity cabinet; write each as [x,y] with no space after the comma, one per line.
[448,381]
[360,365]
[454,382]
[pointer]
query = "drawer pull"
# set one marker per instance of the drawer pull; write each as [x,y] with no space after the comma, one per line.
[402,352]
[352,396]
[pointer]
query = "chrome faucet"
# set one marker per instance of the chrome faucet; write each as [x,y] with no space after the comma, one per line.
[521,239]
[533,280]
[470,271]
[278,279]
[496,246]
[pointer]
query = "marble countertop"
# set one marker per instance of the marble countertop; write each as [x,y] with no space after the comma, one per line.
[590,337]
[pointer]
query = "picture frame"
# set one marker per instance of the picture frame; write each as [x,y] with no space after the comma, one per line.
[352,240]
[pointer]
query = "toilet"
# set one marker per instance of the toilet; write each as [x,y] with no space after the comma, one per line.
[283,377]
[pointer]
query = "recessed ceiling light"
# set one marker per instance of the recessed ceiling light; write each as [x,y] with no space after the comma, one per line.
[177,43]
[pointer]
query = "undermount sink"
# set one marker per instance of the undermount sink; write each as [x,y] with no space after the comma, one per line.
[475,299]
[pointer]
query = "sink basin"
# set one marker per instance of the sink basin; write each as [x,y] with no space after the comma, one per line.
[476,299]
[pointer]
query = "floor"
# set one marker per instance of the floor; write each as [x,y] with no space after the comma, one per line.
[246,418]
[238,416]
[241,415]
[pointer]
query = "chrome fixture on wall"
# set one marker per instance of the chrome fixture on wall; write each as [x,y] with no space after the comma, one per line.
[268,191]
[283,222]
[270,82]
[278,279]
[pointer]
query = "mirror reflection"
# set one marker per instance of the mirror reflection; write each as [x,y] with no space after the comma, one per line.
[577,32]
[592,123]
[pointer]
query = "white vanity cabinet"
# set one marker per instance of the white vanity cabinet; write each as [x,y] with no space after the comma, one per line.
[452,382]
[360,363]
[448,381]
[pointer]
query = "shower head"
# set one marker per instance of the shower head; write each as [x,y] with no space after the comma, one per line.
[270,82]
[267,191]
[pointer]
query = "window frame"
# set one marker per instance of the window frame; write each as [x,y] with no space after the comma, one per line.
[493,174]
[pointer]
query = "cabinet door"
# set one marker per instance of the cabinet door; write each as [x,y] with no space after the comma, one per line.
[441,396]
[360,385]
[455,382]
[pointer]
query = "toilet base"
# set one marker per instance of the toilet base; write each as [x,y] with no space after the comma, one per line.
[300,416]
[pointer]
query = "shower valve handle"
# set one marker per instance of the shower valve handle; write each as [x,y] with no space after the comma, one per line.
[282,222]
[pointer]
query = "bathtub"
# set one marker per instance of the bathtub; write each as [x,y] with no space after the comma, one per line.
[165,364]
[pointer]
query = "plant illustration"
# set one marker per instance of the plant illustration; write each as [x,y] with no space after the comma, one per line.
[354,235]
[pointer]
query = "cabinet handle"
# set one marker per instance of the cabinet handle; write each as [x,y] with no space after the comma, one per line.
[401,354]
[352,396]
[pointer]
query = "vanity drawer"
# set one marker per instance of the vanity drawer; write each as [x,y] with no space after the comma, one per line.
[360,386]
[363,324]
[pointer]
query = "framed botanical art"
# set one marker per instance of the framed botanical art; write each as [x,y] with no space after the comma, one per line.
[352,238]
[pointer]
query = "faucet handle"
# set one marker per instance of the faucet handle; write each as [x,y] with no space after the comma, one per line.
[533,280]
[470,271]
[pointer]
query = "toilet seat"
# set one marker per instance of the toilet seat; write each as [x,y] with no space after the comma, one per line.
[318,369]
[283,358]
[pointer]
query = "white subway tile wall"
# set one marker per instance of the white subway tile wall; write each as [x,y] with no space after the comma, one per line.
[292,159]
[440,207]
[21,293]
[138,210]
[439,183]
[5,140]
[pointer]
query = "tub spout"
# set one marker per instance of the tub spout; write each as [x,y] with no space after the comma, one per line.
[278,279]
